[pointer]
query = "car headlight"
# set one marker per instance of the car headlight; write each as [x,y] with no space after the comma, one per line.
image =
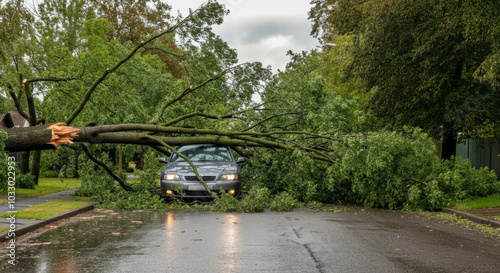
[229,177]
[171,177]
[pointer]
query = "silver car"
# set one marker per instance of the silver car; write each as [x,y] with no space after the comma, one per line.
[215,164]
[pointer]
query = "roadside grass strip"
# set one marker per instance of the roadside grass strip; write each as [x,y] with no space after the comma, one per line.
[47,209]
[2,228]
[479,203]
[48,185]
[3,201]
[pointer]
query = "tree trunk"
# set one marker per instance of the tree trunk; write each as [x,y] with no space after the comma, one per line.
[120,159]
[28,139]
[449,145]
[25,162]
[43,137]
[35,165]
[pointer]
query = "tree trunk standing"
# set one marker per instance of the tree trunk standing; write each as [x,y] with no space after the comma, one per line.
[120,159]
[449,145]
[35,165]
[35,160]
[25,162]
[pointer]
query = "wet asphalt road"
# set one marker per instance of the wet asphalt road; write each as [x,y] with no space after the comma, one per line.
[355,240]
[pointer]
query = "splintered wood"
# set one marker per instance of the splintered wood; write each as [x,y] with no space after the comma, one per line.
[62,134]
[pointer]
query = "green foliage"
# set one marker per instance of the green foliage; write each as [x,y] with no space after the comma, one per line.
[432,64]
[61,163]
[48,174]
[94,181]
[395,170]
[25,181]
[305,182]
[402,171]
[389,170]
[464,182]
[480,202]
[98,185]
[257,200]
[149,175]
[284,202]
[226,203]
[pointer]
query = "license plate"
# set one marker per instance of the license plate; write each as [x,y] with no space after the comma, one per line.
[196,188]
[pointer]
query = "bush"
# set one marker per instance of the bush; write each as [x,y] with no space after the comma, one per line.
[25,181]
[48,174]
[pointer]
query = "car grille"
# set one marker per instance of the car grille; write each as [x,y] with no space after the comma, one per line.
[199,193]
[206,178]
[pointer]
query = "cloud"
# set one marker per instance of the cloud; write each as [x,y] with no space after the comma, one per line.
[267,38]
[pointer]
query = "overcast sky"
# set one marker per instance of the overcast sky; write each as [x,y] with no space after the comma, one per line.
[261,30]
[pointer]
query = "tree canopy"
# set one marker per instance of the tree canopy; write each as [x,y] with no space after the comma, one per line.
[424,63]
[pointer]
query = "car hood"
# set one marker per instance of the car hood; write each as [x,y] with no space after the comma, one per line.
[204,168]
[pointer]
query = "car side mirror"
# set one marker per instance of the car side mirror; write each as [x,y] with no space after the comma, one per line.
[240,160]
[163,160]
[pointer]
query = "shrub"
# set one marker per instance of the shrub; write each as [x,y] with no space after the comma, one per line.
[25,181]
[49,174]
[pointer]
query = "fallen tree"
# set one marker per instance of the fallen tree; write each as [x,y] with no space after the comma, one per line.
[330,155]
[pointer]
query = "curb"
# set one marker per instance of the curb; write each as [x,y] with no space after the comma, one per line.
[31,227]
[472,217]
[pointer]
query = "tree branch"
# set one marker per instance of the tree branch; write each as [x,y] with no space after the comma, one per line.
[17,103]
[195,114]
[108,71]
[164,51]
[124,185]
[51,79]
[190,90]
[278,115]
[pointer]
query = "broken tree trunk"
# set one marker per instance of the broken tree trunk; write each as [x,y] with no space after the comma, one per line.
[39,137]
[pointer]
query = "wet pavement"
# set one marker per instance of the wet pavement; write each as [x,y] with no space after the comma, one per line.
[22,203]
[20,226]
[355,240]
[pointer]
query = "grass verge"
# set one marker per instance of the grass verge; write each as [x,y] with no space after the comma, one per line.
[48,185]
[2,229]
[47,209]
[3,201]
[479,203]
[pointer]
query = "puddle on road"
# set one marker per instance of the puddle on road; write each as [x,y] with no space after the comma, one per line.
[60,249]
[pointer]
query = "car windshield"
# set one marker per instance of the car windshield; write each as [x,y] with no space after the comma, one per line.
[203,153]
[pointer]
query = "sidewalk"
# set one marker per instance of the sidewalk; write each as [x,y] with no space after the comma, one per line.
[23,226]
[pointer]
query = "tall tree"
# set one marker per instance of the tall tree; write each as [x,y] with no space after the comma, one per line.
[417,61]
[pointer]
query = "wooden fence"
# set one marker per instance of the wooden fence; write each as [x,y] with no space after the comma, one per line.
[482,153]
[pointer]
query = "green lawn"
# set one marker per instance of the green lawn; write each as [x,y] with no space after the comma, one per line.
[479,203]
[2,228]
[3,201]
[48,185]
[47,209]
